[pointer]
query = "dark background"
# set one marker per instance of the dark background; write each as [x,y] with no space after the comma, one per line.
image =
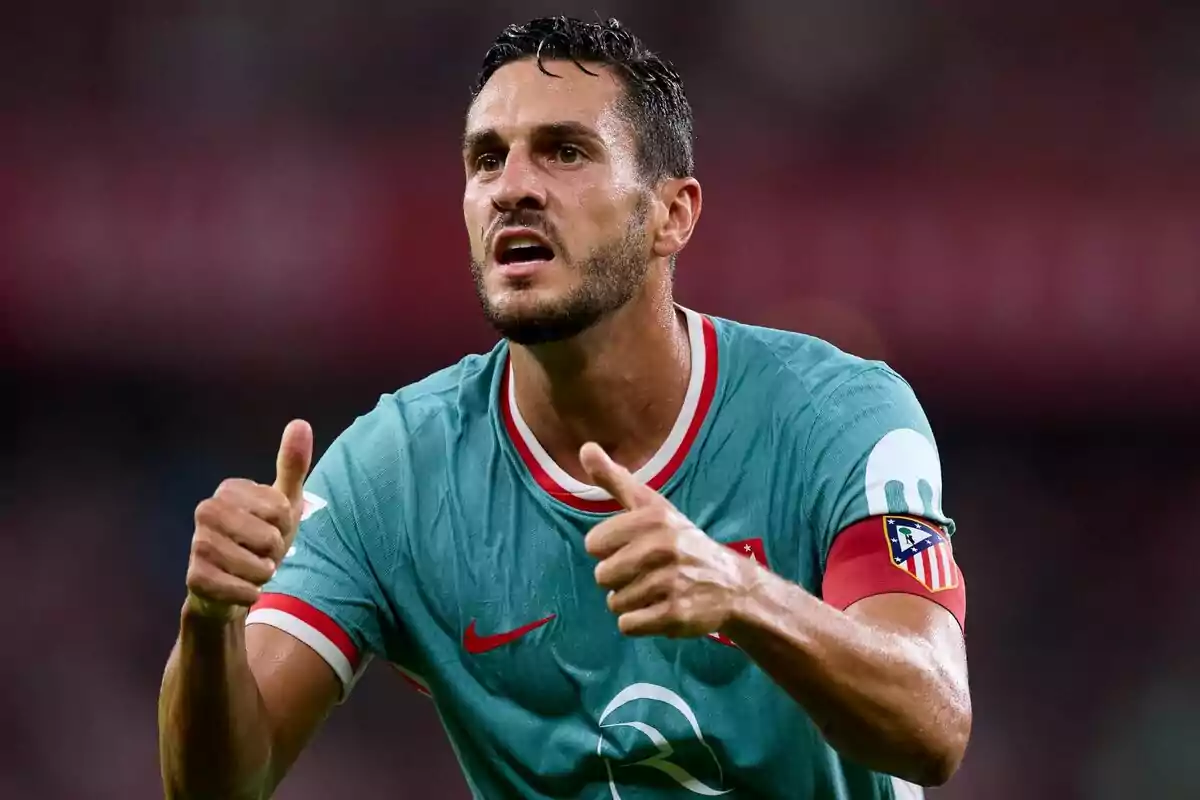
[217,216]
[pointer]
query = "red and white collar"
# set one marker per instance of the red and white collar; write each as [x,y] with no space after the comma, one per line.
[658,470]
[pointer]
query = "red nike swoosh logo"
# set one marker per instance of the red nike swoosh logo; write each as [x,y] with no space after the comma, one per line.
[477,644]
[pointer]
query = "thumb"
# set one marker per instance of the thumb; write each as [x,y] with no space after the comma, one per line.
[615,479]
[294,460]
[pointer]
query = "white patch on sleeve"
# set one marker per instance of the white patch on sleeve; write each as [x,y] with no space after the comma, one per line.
[906,791]
[312,504]
[906,457]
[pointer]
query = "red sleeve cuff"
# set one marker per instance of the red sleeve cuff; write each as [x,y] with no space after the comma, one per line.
[887,554]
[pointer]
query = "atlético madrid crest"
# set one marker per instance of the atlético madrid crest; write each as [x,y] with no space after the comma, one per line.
[922,551]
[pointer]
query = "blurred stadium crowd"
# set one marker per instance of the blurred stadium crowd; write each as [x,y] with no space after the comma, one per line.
[216,216]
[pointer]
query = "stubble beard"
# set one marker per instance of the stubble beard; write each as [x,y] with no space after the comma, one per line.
[610,277]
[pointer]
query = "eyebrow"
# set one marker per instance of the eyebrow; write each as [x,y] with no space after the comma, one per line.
[476,140]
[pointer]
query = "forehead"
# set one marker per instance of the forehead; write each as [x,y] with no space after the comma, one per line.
[520,96]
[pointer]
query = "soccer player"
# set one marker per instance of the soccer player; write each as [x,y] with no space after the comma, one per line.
[633,551]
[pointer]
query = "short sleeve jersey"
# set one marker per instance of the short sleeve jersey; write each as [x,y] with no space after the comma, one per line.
[439,537]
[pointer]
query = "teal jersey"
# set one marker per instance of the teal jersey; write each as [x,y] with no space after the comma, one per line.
[441,538]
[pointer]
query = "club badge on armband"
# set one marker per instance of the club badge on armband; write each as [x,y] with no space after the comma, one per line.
[923,551]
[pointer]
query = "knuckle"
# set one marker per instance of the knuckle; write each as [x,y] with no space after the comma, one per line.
[208,512]
[230,486]
[203,547]
[245,567]
[596,540]
[277,504]
[670,587]
[264,570]
[278,545]
[199,578]
[658,516]
[663,550]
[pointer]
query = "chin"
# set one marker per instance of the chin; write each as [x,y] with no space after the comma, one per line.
[533,322]
[526,298]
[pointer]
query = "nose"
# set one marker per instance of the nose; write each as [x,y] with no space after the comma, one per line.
[519,185]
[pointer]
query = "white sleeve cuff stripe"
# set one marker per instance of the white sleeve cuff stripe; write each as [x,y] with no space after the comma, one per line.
[312,637]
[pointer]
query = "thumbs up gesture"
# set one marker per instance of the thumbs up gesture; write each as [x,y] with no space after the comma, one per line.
[243,531]
[665,576]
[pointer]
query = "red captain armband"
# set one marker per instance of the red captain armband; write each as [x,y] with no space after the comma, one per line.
[894,554]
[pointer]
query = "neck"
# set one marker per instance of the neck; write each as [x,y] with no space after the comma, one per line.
[620,384]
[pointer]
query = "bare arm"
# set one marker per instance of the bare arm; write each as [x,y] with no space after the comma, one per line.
[886,680]
[238,703]
[237,706]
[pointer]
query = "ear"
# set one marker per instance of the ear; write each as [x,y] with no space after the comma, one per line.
[680,201]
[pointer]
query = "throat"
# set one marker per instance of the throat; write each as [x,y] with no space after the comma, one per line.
[629,403]
[632,431]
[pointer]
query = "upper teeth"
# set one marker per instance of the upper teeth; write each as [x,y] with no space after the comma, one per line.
[521,241]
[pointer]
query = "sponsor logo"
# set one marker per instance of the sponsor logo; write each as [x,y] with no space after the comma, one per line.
[662,759]
[476,644]
[904,476]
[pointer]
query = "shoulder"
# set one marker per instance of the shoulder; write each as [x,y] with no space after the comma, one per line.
[420,415]
[803,377]
[834,408]
[446,398]
[855,433]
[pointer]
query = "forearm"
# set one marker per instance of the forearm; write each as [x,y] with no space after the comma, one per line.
[214,740]
[880,697]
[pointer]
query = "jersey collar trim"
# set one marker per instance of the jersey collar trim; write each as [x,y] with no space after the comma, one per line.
[659,469]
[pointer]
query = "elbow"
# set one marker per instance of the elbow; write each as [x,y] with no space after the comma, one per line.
[941,751]
[936,769]
[943,735]
[925,754]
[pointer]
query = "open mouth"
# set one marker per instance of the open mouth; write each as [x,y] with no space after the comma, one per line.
[522,249]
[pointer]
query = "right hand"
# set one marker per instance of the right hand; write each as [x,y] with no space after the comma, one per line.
[244,530]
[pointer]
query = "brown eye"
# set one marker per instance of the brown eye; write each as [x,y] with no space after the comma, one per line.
[488,162]
[568,154]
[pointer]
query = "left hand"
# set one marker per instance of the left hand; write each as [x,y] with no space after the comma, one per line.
[665,576]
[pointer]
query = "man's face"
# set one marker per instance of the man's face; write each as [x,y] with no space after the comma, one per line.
[554,205]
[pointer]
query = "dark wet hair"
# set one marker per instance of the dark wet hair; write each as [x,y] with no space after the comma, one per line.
[654,103]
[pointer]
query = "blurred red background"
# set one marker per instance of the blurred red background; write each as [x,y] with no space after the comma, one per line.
[216,216]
